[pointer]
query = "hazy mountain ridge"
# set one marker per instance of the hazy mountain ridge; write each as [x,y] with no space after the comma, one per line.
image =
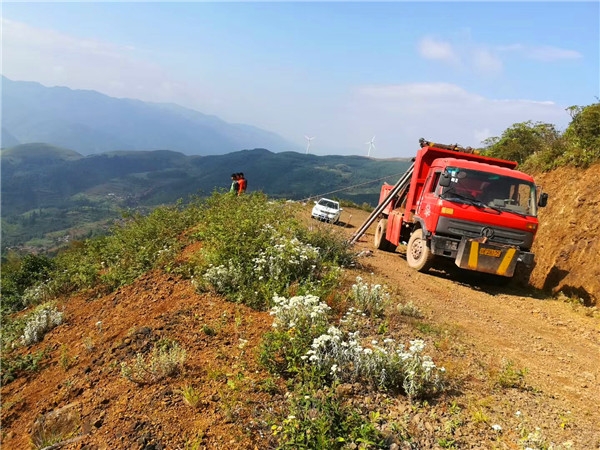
[90,122]
[46,189]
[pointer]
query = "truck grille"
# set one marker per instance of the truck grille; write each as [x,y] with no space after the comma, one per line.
[453,227]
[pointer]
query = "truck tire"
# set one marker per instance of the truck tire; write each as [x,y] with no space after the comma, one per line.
[418,254]
[520,279]
[379,241]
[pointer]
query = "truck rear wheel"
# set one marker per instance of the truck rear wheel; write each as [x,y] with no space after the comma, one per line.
[379,241]
[418,255]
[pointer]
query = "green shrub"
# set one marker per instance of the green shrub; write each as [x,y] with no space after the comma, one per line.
[318,420]
[21,276]
[511,377]
[339,356]
[15,366]
[136,245]
[254,249]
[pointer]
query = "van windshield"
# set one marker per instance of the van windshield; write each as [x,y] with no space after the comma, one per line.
[490,190]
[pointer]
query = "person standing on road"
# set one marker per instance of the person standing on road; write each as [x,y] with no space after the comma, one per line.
[242,183]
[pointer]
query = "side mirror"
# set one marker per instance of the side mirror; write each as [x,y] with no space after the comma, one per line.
[543,201]
[444,179]
[315,202]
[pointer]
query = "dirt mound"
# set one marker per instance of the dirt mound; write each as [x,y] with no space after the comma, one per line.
[84,369]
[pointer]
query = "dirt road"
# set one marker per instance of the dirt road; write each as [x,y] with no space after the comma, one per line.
[558,344]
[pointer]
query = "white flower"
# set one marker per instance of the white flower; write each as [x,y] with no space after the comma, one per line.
[496,427]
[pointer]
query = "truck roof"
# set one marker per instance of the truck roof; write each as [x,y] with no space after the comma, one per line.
[482,166]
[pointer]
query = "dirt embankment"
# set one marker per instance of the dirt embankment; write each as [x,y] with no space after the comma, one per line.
[567,246]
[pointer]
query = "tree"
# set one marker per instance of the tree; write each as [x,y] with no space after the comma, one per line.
[583,134]
[522,140]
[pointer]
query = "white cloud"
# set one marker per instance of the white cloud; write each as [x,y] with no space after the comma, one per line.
[485,61]
[442,112]
[543,53]
[430,48]
[461,52]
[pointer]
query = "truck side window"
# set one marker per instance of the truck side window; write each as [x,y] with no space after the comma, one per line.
[433,186]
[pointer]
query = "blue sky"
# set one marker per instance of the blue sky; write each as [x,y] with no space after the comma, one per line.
[342,72]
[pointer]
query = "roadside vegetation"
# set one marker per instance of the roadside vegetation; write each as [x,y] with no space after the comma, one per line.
[539,146]
[253,251]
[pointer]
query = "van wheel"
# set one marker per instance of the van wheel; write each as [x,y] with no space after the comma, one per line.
[418,255]
[379,241]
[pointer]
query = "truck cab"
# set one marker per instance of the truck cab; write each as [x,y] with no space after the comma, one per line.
[479,211]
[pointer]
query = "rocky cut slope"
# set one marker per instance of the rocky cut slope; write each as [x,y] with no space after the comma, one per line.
[567,247]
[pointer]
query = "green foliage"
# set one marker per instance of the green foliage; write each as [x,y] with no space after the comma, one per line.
[254,248]
[522,140]
[15,366]
[318,420]
[304,343]
[191,396]
[539,146]
[21,274]
[137,245]
[511,377]
[372,299]
[298,321]
[583,135]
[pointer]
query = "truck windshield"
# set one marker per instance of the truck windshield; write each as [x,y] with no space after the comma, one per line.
[484,189]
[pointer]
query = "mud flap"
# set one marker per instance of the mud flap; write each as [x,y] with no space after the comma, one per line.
[478,255]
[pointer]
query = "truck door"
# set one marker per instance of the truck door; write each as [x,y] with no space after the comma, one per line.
[428,208]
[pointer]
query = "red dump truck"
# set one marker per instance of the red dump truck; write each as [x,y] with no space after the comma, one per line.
[453,203]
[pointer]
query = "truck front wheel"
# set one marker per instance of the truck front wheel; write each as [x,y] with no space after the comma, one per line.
[418,255]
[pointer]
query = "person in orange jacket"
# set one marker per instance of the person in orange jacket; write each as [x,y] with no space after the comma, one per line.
[242,183]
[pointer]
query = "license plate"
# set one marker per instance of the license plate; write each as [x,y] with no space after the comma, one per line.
[495,253]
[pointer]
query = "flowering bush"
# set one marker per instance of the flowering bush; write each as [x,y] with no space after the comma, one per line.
[370,298]
[305,313]
[341,356]
[224,278]
[39,322]
[297,321]
[287,259]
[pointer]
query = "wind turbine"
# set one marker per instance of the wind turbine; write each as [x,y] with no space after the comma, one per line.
[308,145]
[371,144]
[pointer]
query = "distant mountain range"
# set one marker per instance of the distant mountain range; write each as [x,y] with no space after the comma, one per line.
[90,123]
[48,191]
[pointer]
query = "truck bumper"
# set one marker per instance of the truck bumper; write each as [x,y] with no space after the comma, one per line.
[481,256]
